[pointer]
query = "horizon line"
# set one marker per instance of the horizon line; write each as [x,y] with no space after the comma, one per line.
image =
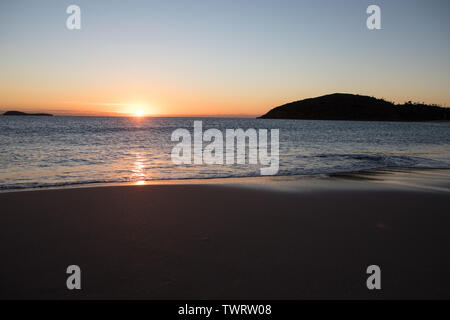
[126,115]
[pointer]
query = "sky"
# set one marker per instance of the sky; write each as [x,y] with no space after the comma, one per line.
[218,58]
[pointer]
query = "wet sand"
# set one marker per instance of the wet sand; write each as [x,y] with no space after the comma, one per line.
[253,238]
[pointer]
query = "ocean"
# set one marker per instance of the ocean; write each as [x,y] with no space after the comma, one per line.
[58,151]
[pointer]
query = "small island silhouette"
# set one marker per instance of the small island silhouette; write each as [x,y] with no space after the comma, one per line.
[343,106]
[20,113]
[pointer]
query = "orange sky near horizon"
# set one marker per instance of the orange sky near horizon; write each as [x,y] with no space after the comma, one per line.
[126,101]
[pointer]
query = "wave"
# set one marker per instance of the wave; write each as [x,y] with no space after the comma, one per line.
[67,151]
[343,163]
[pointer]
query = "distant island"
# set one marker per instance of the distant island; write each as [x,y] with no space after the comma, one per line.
[342,106]
[20,113]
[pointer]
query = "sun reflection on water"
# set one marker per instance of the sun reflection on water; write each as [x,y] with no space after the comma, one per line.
[138,174]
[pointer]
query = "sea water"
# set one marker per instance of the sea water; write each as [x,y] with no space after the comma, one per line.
[57,151]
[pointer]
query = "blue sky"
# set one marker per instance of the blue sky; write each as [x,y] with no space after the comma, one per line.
[219,57]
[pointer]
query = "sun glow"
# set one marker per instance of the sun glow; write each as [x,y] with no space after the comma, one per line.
[138,110]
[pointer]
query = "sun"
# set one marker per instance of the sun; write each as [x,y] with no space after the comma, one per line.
[137,110]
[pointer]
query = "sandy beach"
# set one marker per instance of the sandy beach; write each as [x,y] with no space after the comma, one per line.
[261,238]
